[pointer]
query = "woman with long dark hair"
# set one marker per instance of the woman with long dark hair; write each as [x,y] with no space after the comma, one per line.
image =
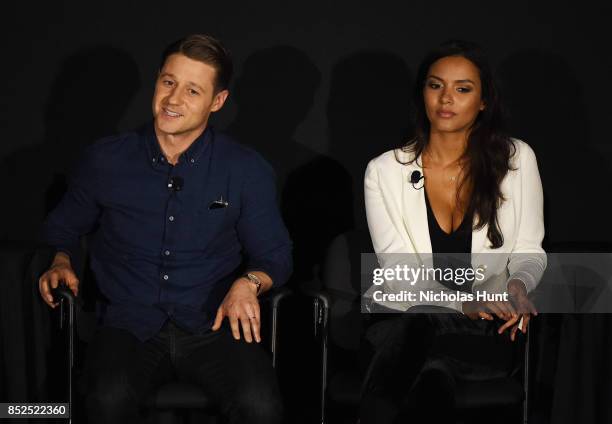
[459,195]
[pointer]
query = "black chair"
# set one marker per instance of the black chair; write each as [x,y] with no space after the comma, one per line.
[504,398]
[340,325]
[340,375]
[509,393]
[320,307]
[340,289]
[172,402]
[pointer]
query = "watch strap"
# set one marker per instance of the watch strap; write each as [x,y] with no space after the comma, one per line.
[253,279]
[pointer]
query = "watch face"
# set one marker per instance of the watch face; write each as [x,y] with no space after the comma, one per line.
[255,280]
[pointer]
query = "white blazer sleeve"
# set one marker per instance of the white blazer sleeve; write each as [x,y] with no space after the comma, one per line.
[527,260]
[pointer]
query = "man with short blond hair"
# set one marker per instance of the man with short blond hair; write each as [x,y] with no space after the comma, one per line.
[189,234]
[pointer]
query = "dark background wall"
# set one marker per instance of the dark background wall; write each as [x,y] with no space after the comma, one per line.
[319,90]
[311,80]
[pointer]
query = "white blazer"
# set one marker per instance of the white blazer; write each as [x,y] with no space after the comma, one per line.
[397,220]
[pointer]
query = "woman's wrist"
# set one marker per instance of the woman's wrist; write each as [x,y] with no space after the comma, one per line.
[517,287]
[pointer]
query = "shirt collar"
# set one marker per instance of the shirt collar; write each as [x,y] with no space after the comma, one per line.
[189,156]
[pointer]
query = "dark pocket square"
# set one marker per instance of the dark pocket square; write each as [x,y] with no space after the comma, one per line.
[217,204]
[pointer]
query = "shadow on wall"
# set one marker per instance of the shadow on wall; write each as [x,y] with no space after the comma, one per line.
[369,112]
[273,95]
[88,98]
[547,110]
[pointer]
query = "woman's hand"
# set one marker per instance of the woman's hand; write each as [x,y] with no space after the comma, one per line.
[516,312]
[524,306]
[486,310]
[504,310]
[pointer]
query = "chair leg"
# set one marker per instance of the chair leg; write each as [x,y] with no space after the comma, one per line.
[67,322]
[526,380]
[321,311]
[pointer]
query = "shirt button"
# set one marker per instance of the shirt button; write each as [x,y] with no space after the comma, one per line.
[192,160]
[171,218]
[154,160]
[167,252]
[165,277]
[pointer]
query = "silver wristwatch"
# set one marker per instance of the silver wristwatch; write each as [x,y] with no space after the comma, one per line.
[253,279]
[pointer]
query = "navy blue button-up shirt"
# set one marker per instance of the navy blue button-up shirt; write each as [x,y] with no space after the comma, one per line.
[171,239]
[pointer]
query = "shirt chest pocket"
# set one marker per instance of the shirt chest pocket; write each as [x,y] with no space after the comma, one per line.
[215,224]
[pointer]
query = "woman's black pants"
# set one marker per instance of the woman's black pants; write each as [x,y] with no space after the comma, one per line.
[413,374]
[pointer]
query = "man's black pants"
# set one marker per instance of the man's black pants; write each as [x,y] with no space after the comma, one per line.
[120,371]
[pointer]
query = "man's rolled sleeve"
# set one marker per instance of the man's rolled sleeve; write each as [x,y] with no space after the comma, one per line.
[263,234]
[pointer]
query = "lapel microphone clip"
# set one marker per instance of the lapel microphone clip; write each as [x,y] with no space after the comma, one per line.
[415,178]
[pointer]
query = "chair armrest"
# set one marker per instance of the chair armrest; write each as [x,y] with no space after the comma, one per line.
[276,296]
[320,294]
[67,309]
[272,300]
[322,303]
[61,292]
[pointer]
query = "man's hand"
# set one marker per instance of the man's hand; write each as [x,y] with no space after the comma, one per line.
[241,307]
[60,270]
[518,295]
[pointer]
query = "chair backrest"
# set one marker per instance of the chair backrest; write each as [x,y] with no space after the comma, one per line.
[24,327]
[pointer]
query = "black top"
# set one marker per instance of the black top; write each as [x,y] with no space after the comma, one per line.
[450,250]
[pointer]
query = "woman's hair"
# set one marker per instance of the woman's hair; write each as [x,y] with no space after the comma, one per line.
[489,149]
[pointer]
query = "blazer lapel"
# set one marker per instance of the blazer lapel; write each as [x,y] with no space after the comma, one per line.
[414,211]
